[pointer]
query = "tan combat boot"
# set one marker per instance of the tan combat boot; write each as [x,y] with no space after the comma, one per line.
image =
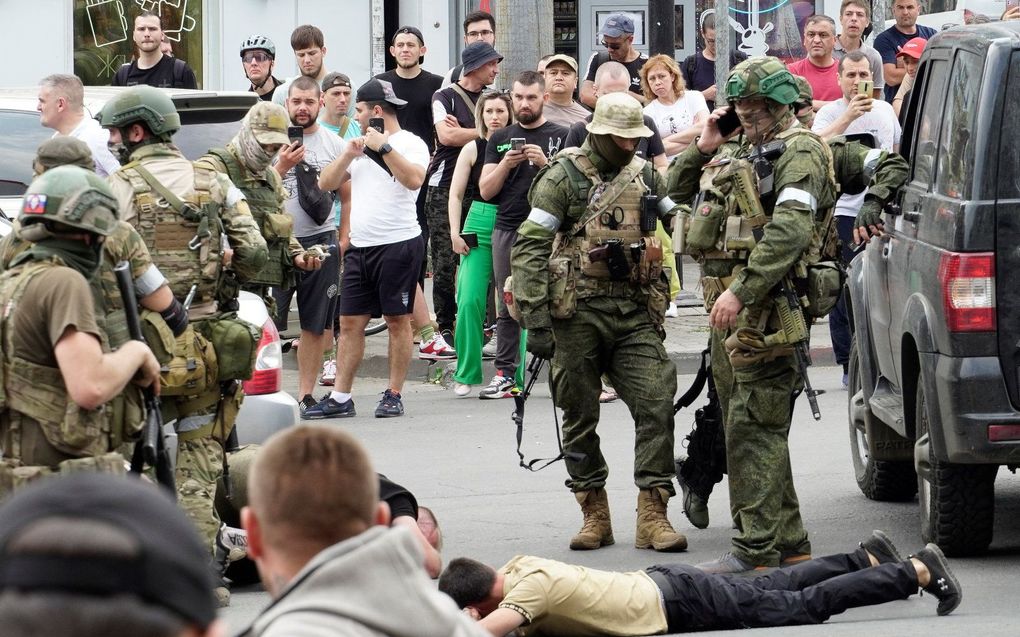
[653,528]
[597,530]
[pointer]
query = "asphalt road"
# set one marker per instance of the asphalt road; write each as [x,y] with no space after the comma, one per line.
[458,456]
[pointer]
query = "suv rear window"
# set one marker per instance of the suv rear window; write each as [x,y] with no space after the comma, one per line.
[22,135]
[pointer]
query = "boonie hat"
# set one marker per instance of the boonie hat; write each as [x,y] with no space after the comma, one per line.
[618,25]
[412,30]
[164,563]
[269,121]
[376,90]
[478,54]
[618,114]
[912,49]
[564,59]
[335,79]
[64,150]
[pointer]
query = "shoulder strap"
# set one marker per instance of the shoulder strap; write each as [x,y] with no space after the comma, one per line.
[464,96]
[344,125]
[601,201]
[120,77]
[175,202]
[178,72]
[228,159]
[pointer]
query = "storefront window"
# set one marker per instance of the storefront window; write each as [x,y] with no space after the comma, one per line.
[103,35]
[765,27]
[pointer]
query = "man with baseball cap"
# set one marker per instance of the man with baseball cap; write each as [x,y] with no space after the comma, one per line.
[560,74]
[453,115]
[413,83]
[386,169]
[93,554]
[910,54]
[618,38]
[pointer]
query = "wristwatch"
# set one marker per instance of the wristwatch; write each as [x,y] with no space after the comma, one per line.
[385,148]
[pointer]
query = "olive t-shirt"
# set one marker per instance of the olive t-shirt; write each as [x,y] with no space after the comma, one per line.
[513,196]
[563,599]
[55,299]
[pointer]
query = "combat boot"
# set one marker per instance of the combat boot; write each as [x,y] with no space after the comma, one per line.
[653,528]
[597,529]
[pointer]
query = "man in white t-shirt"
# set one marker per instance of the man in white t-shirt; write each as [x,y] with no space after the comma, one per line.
[62,108]
[386,168]
[855,113]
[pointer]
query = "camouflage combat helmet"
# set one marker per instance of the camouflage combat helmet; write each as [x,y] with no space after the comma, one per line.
[259,42]
[145,104]
[69,195]
[807,94]
[618,114]
[762,77]
[62,150]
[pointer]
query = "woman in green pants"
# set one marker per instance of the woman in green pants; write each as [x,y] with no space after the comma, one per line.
[492,112]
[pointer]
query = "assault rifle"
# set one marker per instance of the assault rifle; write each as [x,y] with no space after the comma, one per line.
[794,331]
[150,449]
[534,369]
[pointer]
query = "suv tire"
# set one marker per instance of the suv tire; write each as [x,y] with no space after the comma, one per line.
[882,480]
[956,501]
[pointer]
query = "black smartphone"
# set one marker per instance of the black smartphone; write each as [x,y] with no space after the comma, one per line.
[729,122]
[296,134]
[376,123]
[470,238]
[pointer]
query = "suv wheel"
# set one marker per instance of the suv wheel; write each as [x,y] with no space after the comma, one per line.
[957,501]
[883,480]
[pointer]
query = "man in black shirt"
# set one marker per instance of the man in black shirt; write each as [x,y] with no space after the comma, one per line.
[618,38]
[699,68]
[453,115]
[513,157]
[413,84]
[151,66]
[258,57]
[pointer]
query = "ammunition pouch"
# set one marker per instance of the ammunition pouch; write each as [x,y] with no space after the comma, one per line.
[562,288]
[747,346]
[705,225]
[658,301]
[824,287]
[188,363]
[235,342]
[712,287]
[127,416]
[14,476]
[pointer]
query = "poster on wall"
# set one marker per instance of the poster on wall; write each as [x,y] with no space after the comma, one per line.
[103,32]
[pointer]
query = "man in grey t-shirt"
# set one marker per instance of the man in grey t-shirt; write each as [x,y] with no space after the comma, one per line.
[854,18]
[312,211]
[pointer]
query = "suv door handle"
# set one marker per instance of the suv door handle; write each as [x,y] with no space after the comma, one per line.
[912,216]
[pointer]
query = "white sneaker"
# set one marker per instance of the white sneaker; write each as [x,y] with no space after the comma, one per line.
[436,349]
[461,389]
[498,387]
[328,376]
[671,311]
[489,351]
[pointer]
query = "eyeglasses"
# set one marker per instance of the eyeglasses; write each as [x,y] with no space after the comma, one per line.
[480,34]
[255,56]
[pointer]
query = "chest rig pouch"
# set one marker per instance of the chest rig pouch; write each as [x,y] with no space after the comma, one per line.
[265,200]
[34,393]
[184,236]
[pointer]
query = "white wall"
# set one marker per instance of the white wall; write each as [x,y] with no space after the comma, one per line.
[35,40]
[432,17]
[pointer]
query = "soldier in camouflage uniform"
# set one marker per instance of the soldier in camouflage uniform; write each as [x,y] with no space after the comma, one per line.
[589,281]
[182,211]
[857,166]
[53,417]
[246,160]
[746,255]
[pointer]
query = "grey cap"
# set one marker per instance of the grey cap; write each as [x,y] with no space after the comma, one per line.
[478,54]
[618,25]
[376,90]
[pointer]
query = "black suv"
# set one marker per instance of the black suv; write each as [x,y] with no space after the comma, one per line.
[935,366]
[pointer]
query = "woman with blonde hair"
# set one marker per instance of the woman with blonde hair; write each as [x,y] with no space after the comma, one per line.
[679,114]
[493,111]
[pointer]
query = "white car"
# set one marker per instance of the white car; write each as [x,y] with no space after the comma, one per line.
[209,119]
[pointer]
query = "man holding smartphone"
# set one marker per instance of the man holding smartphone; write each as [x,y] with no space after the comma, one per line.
[513,157]
[311,148]
[857,112]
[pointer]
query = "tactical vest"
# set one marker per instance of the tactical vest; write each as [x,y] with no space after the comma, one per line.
[265,199]
[186,244]
[586,244]
[33,393]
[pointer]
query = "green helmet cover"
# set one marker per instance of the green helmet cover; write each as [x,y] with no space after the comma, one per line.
[73,196]
[807,94]
[762,77]
[145,104]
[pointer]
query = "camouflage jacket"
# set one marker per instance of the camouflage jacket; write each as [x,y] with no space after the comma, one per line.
[859,167]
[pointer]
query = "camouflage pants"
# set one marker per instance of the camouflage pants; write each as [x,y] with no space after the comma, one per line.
[757,404]
[444,259]
[628,349]
[199,467]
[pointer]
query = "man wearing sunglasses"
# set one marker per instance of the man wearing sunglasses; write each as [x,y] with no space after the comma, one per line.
[618,38]
[258,57]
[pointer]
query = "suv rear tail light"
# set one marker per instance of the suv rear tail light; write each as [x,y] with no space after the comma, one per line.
[268,374]
[968,291]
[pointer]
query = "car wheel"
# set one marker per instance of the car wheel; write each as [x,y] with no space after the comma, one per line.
[883,480]
[957,501]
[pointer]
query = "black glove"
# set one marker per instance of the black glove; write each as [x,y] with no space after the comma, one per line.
[541,342]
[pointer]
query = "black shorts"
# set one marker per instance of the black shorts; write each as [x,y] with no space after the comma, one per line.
[316,290]
[381,280]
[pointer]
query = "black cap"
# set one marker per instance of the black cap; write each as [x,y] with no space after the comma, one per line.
[170,567]
[478,54]
[413,30]
[376,90]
